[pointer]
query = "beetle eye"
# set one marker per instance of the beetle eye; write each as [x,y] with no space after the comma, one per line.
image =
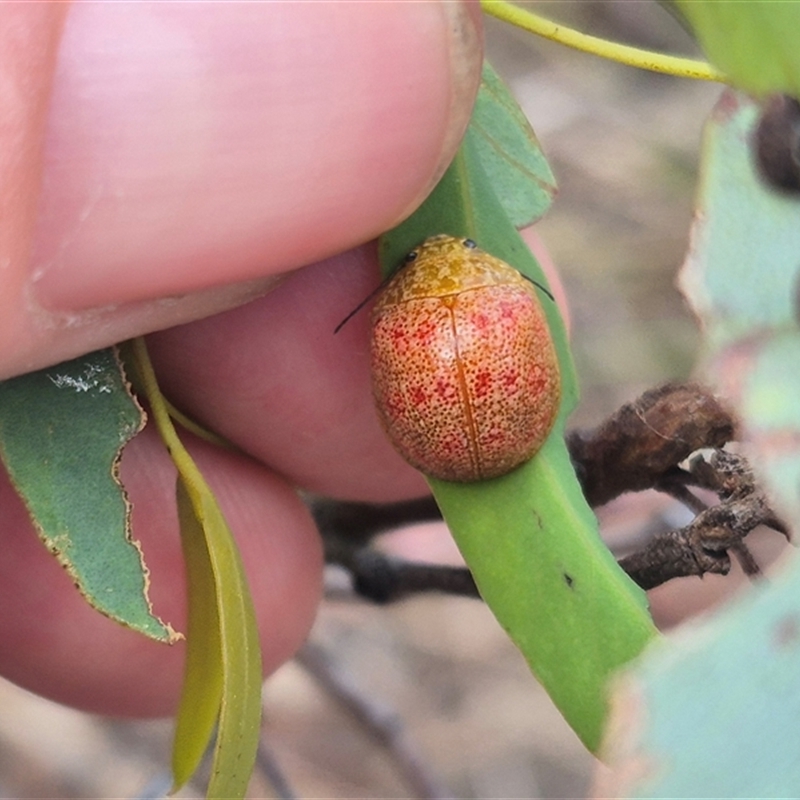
[412,256]
[469,243]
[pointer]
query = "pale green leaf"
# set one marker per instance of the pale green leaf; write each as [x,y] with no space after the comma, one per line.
[742,270]
[720,705]
[741,278]
[719,711]
[233,660]
[203,681]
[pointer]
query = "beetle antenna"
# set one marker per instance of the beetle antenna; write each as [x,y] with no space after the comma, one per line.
[359,306]
[538,286]
[412,256]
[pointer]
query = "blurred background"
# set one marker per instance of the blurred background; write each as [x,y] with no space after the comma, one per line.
[429,696]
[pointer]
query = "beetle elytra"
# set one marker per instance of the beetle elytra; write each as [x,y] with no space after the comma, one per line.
[465,374]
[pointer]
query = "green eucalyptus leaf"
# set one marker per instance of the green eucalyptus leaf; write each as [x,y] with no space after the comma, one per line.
[229,655]
[235,664]
[742,270]
[240,710]
[62,430]
[529,537]
[714,712]
[754,42]
[510,153]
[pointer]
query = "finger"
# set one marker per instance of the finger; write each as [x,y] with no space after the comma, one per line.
[26,77]
[537,246]
[189,147]
[273,378]
[53,643]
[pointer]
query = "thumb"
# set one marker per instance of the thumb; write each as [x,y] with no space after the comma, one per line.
[192,151]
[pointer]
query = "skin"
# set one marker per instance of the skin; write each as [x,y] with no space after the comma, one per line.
[142,187]
[164,162]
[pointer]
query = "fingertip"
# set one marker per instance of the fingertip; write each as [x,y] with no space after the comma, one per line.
[29,36]
[274,378]
[540,251]
[54,644]
[189,148]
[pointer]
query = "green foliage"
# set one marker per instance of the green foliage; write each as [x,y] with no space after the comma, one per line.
[223,659]
[529,538]
[722,703]
[223,664]
[754,42]
[62,430]
[721,708]
[203,681]
[742,278]
[743,267]
[509,151]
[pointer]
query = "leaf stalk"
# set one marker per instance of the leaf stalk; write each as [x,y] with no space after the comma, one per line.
[613,51]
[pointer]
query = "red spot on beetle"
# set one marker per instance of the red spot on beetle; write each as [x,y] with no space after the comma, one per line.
[509,381]
[418,395]
[479,375]
[484,383]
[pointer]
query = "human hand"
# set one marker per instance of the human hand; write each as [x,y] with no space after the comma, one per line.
[167,161]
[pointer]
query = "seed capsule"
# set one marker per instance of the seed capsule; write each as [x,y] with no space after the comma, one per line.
[464,371]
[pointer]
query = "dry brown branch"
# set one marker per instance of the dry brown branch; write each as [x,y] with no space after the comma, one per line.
[644,445]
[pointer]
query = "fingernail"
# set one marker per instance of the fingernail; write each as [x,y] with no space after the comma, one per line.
[465,51]
[466,59]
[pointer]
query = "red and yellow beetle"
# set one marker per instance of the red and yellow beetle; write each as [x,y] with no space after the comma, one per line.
[465,373]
